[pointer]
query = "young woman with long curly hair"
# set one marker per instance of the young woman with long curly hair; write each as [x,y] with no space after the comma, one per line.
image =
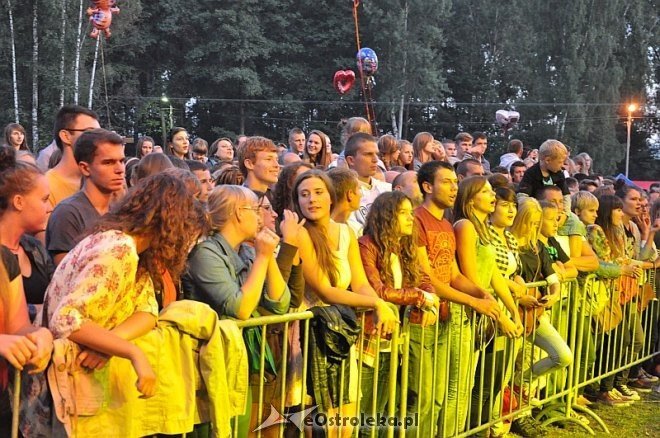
[102,293]
[388,249]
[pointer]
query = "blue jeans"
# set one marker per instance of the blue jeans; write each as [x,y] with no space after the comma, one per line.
[426,395]
[462,365]
[382,395]
[549,340]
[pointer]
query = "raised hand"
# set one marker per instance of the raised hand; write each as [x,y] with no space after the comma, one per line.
[290,227]
[266,242]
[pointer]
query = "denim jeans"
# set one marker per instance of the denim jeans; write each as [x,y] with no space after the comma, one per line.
[426,396]
[549,340]
[497,367]
[633,333]
[367,385]
[583,370]
[462,364]
[559,318]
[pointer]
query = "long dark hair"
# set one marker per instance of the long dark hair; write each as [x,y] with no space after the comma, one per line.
[323,158]
[140,142]
[317,232]
[16,127]
[383,227]
[615,235]
[283,190]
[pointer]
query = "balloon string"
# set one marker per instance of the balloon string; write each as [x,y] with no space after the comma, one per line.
[356,3]
[365,93]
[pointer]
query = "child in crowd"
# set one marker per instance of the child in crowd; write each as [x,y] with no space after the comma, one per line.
[547,171]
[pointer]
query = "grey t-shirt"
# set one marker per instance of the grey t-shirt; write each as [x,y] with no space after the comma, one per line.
[68,223]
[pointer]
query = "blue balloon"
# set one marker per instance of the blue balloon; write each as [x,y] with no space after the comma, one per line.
[367,61]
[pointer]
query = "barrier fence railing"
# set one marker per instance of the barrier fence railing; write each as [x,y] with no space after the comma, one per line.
[454,378]
[464,376]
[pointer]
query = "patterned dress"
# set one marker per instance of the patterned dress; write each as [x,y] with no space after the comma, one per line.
[97,282]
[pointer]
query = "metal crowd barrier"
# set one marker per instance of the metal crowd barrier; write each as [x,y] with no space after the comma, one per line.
[476,377]
[482,372]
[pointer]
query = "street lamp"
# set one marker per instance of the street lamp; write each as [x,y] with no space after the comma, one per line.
[631,108]
[165,100]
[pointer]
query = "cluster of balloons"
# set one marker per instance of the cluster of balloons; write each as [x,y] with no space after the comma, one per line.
[367,63]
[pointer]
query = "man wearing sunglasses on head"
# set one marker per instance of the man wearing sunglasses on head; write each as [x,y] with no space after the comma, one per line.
[70,122]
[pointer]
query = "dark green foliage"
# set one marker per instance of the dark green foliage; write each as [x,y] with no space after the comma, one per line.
[264,66]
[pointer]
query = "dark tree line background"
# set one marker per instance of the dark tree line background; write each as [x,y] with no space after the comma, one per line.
[264,66]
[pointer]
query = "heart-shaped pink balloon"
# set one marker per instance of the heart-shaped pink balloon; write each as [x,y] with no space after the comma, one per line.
[343,81]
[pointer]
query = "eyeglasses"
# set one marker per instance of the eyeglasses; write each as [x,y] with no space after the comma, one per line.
[267,207]
[79,130]
[253,208]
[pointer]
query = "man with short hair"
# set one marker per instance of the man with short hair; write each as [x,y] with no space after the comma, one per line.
[450,149]
[406,182]
[463,144]
[361,154]
[514,153]
[347,193]
[517,170]
[100,157]
[203,175]
[469,167]
[70,122]
[257,159]
[478,149]
[289,158]
[437,256]
[297,141]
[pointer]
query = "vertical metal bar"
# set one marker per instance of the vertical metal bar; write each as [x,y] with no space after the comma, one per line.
[262,363]
[391,402]
[17,403]
[403,410]
[285,354]
[303,390]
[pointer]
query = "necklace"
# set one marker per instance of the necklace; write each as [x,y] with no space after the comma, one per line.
[14,250]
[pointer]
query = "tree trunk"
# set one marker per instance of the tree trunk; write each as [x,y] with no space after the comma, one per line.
[91,79]
[395,128]
[242,123]
[403,71]
[35,76]
[62,57]
[13,60]
[79,42]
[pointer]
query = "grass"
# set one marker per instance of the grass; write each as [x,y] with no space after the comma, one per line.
[638,420]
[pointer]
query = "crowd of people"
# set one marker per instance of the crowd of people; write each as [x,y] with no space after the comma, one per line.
[95,244]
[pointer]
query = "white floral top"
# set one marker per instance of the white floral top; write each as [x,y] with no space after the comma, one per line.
[97,281]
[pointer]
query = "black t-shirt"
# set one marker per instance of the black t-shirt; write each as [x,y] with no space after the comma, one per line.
[11,263]
[555,251]
[68,223]
[535,265]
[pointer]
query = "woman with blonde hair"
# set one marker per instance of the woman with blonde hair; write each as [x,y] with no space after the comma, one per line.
[226,272]
[536,265]
[406,155]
